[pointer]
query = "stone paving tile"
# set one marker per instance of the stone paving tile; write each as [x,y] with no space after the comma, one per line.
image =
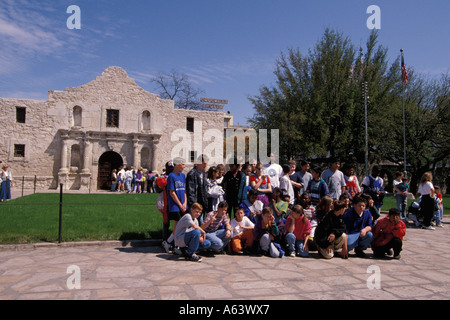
[115,272]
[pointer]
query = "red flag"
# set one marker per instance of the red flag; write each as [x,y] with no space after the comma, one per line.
[404,72]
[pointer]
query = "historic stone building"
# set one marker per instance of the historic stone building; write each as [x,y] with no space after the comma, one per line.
[80,134]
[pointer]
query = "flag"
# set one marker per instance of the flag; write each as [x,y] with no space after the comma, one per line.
[404,72]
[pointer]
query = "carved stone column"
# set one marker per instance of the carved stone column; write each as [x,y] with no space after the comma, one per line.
[63,173]
[155,154]
[87,154]
[136,159]
[85,175]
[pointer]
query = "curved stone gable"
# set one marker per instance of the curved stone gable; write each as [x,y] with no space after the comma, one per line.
[67,137]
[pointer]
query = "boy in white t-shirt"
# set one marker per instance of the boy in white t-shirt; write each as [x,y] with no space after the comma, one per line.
[274,171]
[189,235]
[285,184]
[241,232]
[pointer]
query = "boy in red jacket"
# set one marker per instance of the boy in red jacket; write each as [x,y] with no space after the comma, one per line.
[388,235]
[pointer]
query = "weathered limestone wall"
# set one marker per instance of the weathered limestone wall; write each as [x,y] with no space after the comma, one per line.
[53,130]
[37,134]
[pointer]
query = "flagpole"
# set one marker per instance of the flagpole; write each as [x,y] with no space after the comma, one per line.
[404,125]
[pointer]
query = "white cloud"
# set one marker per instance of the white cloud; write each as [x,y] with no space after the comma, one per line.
[26,32]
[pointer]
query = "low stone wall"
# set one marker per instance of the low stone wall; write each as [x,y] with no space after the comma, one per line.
[34,183]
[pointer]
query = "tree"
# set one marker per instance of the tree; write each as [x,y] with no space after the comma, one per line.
[317,102]
[427,110]
[177,86]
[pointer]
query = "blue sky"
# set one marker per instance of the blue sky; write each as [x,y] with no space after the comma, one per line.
[228,48]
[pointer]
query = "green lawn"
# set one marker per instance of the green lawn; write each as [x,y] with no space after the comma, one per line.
[390,202]
[85,217]
[35,218]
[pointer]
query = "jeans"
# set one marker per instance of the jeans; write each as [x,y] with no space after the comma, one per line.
[438,216]
[192,240]
[128,185]
[217,239]
[267,246]
[355,241]
[296,244]
[400,205]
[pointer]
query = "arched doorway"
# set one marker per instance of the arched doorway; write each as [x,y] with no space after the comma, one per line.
[108,161]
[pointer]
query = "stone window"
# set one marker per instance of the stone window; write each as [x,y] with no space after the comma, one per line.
[19,150]
[21,114]
[146,120]
[75,156]
[112,118]
[145,158]
[193,156]
[76,114]
[190,124]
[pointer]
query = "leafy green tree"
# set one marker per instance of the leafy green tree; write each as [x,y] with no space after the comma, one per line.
[317,102]
[427,114]
[318,106]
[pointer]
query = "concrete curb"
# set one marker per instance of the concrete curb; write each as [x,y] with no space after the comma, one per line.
[110,243]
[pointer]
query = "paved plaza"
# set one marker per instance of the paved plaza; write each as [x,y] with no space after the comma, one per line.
[116,270]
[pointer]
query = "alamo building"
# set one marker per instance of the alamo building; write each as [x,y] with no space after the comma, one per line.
[80,134]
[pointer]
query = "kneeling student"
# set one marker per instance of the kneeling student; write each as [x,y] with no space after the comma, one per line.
[298,229]
[330,233]
[266,234]
[388,235]
[241,232]
[189,235]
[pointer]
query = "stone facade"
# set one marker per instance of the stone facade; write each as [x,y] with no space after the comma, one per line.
[80,134]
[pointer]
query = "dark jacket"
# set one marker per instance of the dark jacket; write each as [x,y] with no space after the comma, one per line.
[235,194]
[196,187]
[261,230]
[330,224]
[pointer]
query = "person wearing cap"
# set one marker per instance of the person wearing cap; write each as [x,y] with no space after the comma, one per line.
[388,235]
[6,183]
[176,198]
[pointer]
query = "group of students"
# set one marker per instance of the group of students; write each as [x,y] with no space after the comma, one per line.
[276,211]
[131,180]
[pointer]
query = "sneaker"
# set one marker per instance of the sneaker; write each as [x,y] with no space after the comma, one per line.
[428,228]
[179,251]
[193,257]
[440,225]
[397,257]
[167,246]
[292,254]
[360,253]
[390,252]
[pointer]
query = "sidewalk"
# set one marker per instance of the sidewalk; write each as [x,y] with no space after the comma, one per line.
[109,270]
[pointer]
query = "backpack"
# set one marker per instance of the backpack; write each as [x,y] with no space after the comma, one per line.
[373,188]
[160,184]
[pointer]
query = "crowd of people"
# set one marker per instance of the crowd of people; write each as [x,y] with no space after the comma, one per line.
[274,210]
[128,179]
